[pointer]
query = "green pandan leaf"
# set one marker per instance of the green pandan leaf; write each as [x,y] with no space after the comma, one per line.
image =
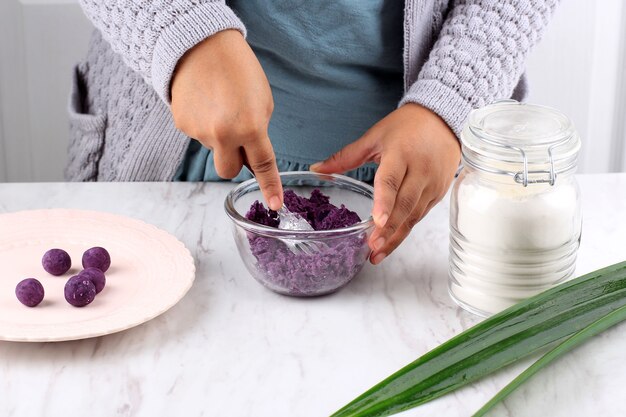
[568,344]
[496,342]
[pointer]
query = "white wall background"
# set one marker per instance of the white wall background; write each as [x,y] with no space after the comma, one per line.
[40,40]
[579,68]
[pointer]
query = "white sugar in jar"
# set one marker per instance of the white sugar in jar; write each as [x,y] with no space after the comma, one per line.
[515,214]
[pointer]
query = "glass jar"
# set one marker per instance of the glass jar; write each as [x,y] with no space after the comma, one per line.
[515,211]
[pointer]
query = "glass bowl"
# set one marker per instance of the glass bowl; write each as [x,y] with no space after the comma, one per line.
[267,256]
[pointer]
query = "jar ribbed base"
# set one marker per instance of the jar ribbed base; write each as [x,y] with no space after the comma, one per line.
[485,280]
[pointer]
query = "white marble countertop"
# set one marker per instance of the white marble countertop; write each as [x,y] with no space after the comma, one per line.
[233,348]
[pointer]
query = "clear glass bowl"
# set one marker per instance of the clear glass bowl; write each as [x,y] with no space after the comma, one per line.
[270,261]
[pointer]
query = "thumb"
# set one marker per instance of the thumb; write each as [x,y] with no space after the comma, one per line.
[350,157]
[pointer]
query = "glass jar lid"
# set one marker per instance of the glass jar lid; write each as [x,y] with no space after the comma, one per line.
[530,143]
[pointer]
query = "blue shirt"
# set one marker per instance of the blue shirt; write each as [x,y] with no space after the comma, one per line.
[335,69]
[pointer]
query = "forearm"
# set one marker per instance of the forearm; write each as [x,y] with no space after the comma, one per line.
[151,36]
[479,56]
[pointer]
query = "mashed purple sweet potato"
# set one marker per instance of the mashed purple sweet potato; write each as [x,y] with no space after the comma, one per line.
[319,212]
[302,274]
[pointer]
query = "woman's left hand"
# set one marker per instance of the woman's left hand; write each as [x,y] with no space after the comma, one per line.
[418,156]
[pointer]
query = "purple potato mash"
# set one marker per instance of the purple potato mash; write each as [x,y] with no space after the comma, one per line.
[319,212]
[97,257]
[302,274]
[56,262]
[30,292]
[259,214]
[79,291]
[96,276]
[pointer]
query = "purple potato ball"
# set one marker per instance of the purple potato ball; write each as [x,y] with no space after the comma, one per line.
[56,262]
[79,291]
[96,276]
[97,258]
[29,292]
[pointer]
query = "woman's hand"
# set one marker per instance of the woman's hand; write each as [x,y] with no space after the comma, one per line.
[418,156]
[221,97]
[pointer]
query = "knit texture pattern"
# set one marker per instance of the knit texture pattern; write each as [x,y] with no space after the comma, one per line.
[458,55]
[120,130]
[152,35]
[478,56]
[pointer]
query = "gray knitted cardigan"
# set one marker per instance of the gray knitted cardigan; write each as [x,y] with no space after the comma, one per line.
[458,55]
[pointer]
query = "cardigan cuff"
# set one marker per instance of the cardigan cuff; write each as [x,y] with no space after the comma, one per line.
[441,99]
[184,33]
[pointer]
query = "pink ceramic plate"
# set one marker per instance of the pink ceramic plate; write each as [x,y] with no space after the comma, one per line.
[150,272]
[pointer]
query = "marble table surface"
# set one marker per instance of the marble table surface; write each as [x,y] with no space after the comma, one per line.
[233,348]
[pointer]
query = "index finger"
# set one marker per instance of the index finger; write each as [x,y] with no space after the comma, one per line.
[262,161]
[387,182]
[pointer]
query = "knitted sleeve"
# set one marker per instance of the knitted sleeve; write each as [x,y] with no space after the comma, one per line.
[479,56]
[152,35]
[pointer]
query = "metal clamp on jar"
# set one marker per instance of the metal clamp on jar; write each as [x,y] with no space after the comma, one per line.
[515,212]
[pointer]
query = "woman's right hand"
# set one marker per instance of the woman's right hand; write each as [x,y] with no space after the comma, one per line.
[221,97]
